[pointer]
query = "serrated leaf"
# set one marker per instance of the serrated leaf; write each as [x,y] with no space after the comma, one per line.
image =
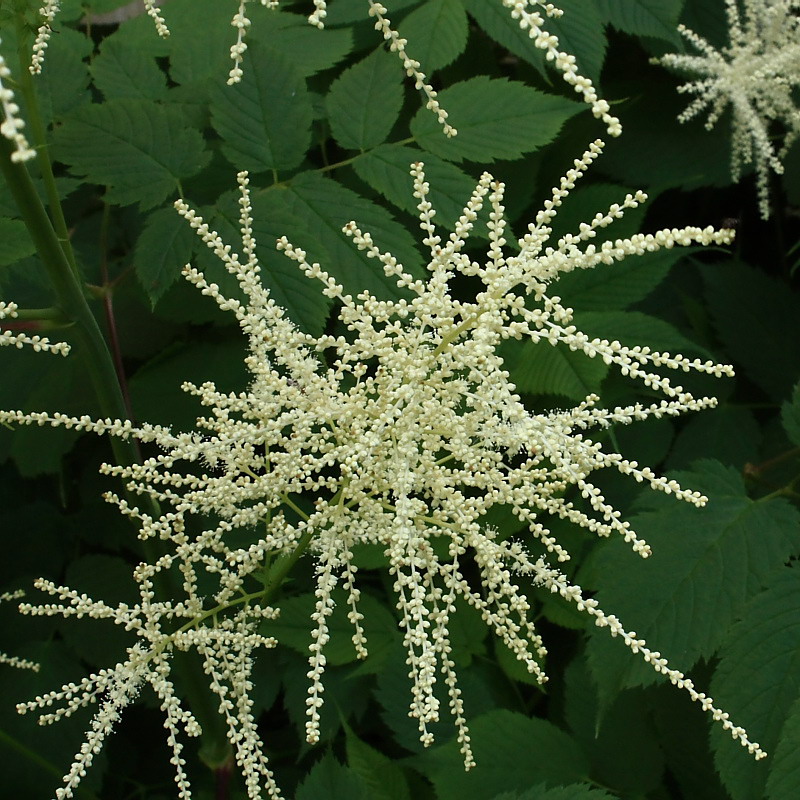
[294,625]
[137,148]
[610,287]
[317,207]
[575,791]
[657,18]
[784,777]
[162,249]
[706,563]
[265,119]
[382,777]
[636,328]
[64,80]
[15,241]
[330,780]
[581,33]
[495,118]
[622,748]
[757,318]
[123,71]
[729,434]
[757,681]
[540,368]
[437,33]
[289,287]
[310,50]
[790,416]
[512,752]
[365,100]
[496,21]
[386,169]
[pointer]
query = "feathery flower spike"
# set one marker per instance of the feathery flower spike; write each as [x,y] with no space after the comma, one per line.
[11,126]
[13,661]
[757,75]
[406,429]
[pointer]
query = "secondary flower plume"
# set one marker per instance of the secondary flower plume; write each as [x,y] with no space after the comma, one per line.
[757,75]
[403,431]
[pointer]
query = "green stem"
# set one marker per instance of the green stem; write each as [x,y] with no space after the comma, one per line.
[37,127]
[71,300]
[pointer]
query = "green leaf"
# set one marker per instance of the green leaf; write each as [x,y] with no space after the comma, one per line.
[394,695]
[312,210]
[757,683]
[364,101]
[729,434]
[758,319]
[163,248]
[610,287]
[622,748]
[137,148]
[657,18]
[386,169]
[310,50]
[580,33]
[330,780]
[575,791]
[784,777]
[437,33]
[155,388]
[265,119]
[495,118]
[106,578]
[540,368]
[633,328]
[705,564]
[512,752]
[382,777]
[293,627]
[289,287]
[63,82]
[790,416]
[15,242]
[586,200]
[123,71]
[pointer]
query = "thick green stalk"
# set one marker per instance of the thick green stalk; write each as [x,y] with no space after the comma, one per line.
[69,293]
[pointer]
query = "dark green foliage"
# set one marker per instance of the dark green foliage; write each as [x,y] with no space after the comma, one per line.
[328,125]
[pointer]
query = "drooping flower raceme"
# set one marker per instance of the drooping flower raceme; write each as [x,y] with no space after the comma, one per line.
[403,431]
[756,74]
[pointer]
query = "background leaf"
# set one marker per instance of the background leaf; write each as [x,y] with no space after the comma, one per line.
[364,101]
[495,118]
[265,119]
[437,33]
[136,148]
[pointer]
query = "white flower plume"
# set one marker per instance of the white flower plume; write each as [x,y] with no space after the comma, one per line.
[404,431]
[757,75]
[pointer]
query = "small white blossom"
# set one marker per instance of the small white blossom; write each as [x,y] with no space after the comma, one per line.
[757,75]
[405,431]
[38,343]
[11,126]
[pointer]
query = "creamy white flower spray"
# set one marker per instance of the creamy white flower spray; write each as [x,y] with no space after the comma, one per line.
[404,431]
[757,75]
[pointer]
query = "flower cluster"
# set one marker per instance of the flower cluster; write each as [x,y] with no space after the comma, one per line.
[756,74]
[38,343]
[11,126]
[226,644]
[404,431]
